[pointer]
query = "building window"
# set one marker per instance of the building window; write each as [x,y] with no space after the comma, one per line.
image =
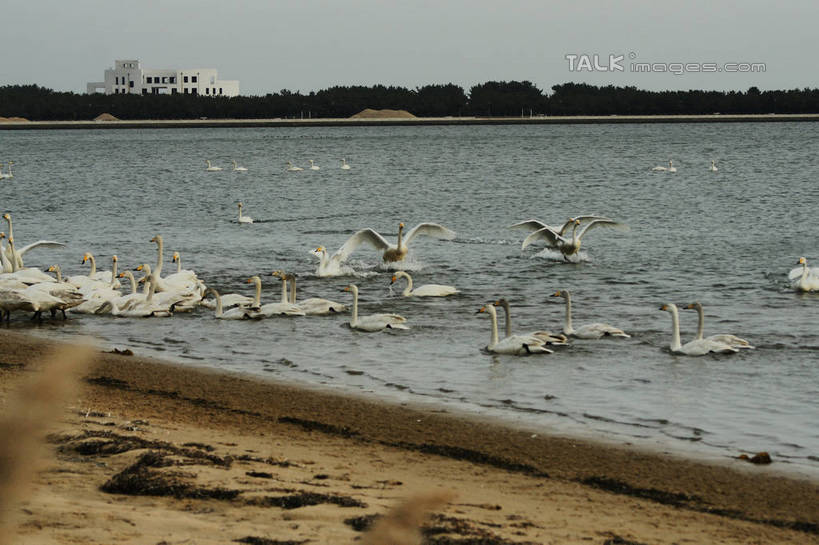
[193,90]
[185,79]
[193,79]
[173,79]
[220,90]
[174,90]
[131,84]
[207,90]
[149,79]
[144,91]
[186,90]
[116,80]
[164,79]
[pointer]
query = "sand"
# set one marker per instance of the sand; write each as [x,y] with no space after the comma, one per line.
[151,452]
[369,113]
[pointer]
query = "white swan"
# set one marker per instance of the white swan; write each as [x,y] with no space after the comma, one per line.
[669,168]
[427,290]
[237,313]
[344,165]
[713,167]
[184,279]
[211,168]
[185,297]
[730,340]
[398,251]
[313,306]
[7,175]
[373,322]
[517,345]
[282,308]
[536,225]
[569,246]
[314,166]
[18,254]
[803,278]
[152,305]
[244,219]
[293,168]
[546,336]
[588,331]
[697,347]
[236,167]
[124,302]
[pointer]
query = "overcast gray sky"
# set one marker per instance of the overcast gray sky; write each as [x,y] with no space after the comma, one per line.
[313,44]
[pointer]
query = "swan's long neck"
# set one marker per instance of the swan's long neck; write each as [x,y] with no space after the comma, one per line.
[284,289]
[59,273]
[675,328]
[113,272]
[14,267]
[508,312]
[130,276]
[240,212]
[218,302]
[408,290]
[178,264]
[400,236]
[354,318]
[700,322]
[152,281]
[293,290]
[147,271]
[257,297]
[4,259]
[493,339]
[93,270]
[567,324]
[159,250]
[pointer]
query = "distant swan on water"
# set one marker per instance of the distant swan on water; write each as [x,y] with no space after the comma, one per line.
[713,167]
[697,347]
[344,165]
[669,168]
[314,166]
[242,218]
[9,174]
[293,168]
[211,168]
[237,168]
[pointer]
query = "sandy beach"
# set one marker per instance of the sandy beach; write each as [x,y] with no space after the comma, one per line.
[154,452]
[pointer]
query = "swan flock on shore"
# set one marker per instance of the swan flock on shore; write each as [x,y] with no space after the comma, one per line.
[24,289]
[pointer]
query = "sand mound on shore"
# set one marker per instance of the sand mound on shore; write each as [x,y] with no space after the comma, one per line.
[106,117]
[13,120]
[369,113]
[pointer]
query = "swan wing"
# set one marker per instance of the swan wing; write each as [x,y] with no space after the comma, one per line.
[602,223]
[434,290]
[700,347]
[547,234]
[795,273]
[44,243]
[530,225]
[364,236]
[730,340]
[598,330]
[431,230]
[583,219]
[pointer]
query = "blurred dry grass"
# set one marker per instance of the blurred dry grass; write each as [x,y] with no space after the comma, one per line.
[402,524]
[30,411]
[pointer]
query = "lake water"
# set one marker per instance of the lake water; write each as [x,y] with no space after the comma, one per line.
[727,239]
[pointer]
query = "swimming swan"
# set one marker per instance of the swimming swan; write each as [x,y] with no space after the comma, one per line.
[314,306]
[344,165]
[332,265]
[588,331]
[293,168]
[517,345]
[236,167]
[697,347]
[314,166]
[211,168]
[536,225]
[547,336]
[569,246]
[730,340]
[244,219]
[804,278]
[669,168]
[398,251]
[238,313]
[427,290]
[713,167]
[373,322]
[9,174]
[282,308]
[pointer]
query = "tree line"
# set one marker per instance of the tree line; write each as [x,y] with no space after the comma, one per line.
[490,99]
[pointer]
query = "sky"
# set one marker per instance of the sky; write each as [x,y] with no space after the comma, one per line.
[308,45]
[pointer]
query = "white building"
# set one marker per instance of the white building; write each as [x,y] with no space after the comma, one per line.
[129,77]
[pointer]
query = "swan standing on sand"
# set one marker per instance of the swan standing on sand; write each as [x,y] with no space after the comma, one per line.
[344,165]
[236,167]
[713,167]
[244,219]
[546,336]
[314,306]
[427,290]
[211,168]
[314,166]
[398,251]
[516,345]
[9,174]
[730,340]
[569,247]
[373,322]
[293,168]
[804,278]
[697,347]
[588,331]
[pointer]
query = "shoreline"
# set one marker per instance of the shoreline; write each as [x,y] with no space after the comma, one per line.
[642,490]
[415,121]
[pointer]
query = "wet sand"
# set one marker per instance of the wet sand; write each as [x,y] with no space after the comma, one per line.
[151,452]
